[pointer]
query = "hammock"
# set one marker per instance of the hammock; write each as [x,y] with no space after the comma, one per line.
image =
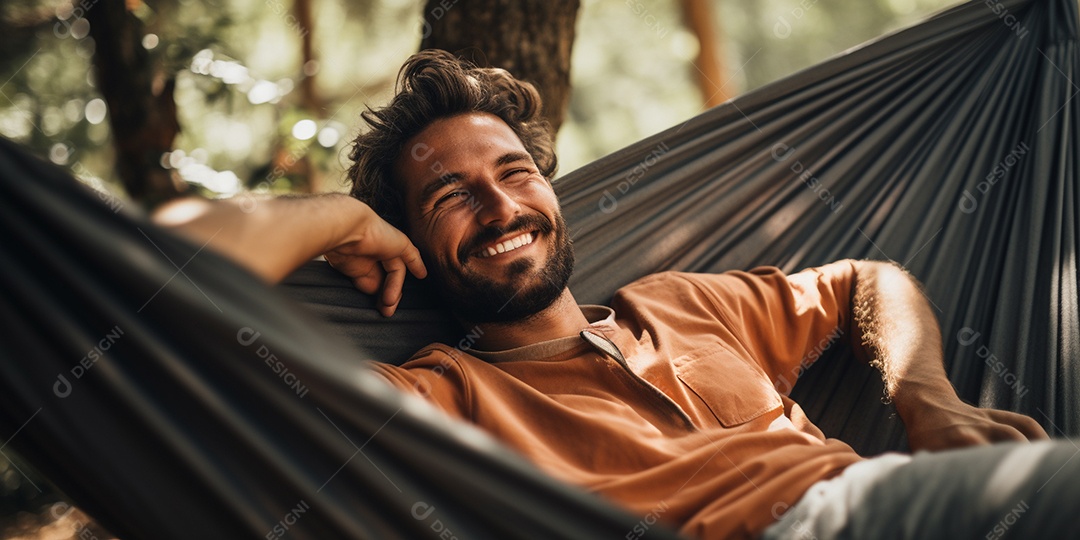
[171,395]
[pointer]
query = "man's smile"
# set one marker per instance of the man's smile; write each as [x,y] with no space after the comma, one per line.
[506,245]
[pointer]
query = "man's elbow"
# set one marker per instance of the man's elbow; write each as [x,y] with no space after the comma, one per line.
[883,272]
[182,213]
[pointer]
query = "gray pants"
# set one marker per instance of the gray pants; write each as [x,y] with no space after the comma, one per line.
[1009,490]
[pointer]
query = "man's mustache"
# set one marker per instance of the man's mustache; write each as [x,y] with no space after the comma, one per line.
[532,222]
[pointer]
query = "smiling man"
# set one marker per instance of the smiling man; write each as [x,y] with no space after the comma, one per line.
[672,401]
[490,228]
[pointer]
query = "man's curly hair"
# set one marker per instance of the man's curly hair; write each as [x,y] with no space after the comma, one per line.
[432,85]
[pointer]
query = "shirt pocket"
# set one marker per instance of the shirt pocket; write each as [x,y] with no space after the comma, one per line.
[734,389]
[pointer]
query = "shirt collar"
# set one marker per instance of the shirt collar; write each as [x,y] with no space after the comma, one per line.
[599,317]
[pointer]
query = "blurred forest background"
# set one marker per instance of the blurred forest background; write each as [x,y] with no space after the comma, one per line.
[264,96]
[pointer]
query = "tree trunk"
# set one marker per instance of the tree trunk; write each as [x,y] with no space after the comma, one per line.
[531,39]
[713,80]
[142,113]
[309,95]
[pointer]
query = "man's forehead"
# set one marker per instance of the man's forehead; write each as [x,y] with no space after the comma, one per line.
[463,134]
[449,144]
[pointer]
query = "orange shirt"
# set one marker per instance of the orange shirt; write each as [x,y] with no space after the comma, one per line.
[692,424]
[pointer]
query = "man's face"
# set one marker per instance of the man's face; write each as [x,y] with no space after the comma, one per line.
[487,223]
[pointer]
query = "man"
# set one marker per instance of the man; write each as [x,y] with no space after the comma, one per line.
[666,402]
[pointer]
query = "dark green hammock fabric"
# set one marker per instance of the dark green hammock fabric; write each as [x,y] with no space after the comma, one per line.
[173,396]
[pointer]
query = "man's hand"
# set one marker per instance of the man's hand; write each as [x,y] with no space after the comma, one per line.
[376,259]
[952,423]
[273,237]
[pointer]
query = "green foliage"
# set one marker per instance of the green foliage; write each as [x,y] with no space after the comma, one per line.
[632,67]
[238,70]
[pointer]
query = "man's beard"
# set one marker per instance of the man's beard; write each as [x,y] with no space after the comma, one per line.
[476,298]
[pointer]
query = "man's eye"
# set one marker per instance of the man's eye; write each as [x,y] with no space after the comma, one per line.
[516,174]
[451,198]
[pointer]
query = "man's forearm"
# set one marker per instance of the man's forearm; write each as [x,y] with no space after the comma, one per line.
[895,330]
[271,237]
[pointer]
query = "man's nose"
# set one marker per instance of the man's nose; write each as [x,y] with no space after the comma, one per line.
[497,207]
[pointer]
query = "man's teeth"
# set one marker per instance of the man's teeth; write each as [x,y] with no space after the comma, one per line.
[509,245]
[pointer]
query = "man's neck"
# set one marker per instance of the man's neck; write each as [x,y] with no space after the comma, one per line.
[562,318]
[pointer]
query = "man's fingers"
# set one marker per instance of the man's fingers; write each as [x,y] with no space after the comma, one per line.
[379,263]
[412,260]
[1026,425]
[370,280]
[1003,432]
[391,287]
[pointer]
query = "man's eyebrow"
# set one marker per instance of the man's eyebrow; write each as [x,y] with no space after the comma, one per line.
[512,157]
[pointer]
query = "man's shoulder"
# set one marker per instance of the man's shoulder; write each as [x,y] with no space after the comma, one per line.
[435,354]
[666,281]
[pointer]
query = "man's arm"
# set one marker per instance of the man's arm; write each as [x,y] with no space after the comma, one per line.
[895,330]
[273,237]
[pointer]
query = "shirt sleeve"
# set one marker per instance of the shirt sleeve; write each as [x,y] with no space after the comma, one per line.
[785,322]
[433,375]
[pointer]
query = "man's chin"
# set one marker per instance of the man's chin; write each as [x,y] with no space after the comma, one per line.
[505,288]
[505,299]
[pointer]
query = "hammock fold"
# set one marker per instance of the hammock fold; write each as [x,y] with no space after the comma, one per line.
[172,395]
